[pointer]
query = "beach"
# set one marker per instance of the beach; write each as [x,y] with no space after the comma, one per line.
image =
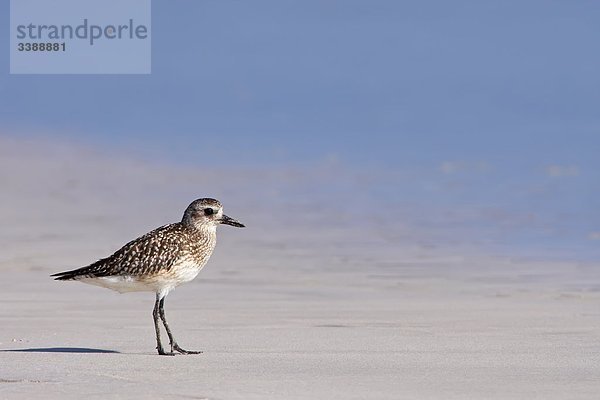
[289,307]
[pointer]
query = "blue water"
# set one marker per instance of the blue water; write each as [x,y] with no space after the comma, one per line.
[476,121]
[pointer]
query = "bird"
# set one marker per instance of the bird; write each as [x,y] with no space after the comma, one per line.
[159,261]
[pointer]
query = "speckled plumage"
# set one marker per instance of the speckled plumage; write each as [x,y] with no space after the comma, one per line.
[154,258]
[161,259]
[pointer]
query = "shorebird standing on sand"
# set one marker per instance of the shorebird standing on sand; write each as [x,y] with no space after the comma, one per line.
[160,260]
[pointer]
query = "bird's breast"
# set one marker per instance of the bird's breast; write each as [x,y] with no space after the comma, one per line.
[185,271]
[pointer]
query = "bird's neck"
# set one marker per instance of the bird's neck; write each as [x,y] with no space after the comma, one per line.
[204,228]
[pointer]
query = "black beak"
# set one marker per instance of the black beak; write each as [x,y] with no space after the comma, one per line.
[230,221]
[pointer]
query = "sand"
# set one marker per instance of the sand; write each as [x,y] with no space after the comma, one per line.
[282,311]
[268,333]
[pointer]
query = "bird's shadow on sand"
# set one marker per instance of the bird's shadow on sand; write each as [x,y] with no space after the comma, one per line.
[62,350]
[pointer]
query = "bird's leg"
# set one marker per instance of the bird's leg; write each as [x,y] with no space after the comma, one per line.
[174,345]
[156,315]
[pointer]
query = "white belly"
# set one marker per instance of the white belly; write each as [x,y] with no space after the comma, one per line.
[161,282]
[122,284]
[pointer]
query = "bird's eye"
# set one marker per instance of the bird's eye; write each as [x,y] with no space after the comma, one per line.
[209,211]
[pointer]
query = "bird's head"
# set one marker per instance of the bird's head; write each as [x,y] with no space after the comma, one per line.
[207,213]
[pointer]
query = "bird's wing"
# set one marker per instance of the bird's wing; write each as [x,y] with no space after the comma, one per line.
[155,251]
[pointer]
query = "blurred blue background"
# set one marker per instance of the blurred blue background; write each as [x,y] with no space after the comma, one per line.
[477,121]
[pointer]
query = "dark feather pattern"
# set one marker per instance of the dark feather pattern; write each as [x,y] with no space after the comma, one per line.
[152,253]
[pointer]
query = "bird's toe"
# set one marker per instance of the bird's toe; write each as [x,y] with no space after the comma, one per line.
[183,351]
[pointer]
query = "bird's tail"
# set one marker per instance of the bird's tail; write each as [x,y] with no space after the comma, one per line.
[64,276]
[90,271]
[69,275]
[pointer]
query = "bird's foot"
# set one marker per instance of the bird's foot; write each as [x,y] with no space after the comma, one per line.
[162,352]
[175,347]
